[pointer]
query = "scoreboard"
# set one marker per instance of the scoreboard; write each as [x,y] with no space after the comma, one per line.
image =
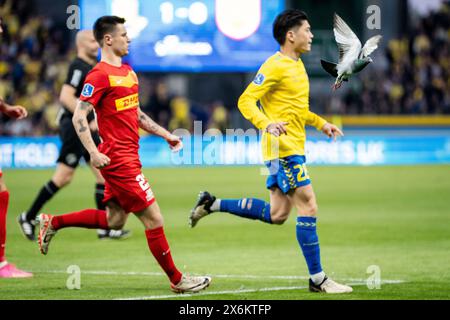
[193,35]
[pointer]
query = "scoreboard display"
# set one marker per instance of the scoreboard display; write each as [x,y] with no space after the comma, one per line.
[193,35]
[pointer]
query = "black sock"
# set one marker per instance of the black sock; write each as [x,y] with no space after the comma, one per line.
[99,195]
[47,192]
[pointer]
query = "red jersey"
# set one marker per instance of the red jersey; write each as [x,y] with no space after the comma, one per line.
[113,91]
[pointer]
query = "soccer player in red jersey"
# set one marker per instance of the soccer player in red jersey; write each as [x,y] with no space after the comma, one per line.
[112,89]
[8,270]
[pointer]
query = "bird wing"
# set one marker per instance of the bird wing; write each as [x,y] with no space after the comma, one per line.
[346,39]
[370,46]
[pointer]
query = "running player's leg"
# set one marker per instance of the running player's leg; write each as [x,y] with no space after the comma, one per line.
[153,222]
[113,218]
[275,212]
[280,206]
[7,270]
[250,208]
[304,200]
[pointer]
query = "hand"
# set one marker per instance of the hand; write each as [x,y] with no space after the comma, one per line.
[278,128]
[332,131]
[174,142]
[99,160]
[17,112]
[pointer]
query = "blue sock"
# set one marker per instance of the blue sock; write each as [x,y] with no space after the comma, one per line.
[309,242]
[254,209]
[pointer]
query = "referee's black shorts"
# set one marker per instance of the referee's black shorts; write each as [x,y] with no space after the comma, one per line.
[72,149]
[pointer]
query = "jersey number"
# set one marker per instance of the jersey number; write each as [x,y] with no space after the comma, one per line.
[302,172]
[144,186]
[142,182]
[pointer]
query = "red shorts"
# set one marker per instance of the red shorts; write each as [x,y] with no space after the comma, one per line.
[1,173]
[132,191]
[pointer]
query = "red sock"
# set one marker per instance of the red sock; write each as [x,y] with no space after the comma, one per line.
[4,199]
[159,247]
[89,218]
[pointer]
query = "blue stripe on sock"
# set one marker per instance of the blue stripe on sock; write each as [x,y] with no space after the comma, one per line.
[254,209]
[309,243]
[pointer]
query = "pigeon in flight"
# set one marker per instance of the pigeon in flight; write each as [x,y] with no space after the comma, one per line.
[352,59]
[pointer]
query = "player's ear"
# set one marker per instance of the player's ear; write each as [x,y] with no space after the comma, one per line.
[107,39]
[290,36]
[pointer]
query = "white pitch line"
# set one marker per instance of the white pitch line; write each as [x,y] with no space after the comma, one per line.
[238,291]
[349,281]
[232,276]
[207,293]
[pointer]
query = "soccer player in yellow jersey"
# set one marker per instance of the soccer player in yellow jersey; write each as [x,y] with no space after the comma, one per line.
[277,102]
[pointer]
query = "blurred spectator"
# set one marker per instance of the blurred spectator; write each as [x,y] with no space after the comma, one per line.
[181,117]
[219,116]
[159,106]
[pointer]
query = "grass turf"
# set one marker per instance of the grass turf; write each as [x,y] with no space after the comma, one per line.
[397,218]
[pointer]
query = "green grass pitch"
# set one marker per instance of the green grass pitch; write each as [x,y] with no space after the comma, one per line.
[396,218]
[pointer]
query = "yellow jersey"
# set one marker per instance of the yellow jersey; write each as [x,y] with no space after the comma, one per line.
[281,87]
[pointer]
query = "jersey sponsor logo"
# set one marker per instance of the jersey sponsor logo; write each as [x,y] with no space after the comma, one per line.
[259,79]
[128,102]
[88,90]
[128,81]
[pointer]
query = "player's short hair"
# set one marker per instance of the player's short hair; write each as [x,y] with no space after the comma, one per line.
[285,21]
[104,25]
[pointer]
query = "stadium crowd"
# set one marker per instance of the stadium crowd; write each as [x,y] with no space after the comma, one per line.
[34,58]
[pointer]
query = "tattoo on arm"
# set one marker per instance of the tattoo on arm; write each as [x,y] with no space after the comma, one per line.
[146,123]
[85,106]
[82,127]
[80,123]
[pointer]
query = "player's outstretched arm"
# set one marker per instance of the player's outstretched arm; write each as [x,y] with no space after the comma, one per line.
[17,112]
[146,123]
[332,131]
[81,126]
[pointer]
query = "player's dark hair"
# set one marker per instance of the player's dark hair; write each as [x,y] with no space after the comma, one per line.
[104,25]
[286,21]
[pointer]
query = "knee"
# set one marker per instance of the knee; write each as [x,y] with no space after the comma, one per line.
[3,187]
[279,218]
[311,209]
[155,221]
[62,181]
[116,224]
[117,221]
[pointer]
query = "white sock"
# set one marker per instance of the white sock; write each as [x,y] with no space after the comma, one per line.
[318,277]
[2,264]
[216,205]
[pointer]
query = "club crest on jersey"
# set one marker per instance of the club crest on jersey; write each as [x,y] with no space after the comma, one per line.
[259,79]
[233,20]
[88,90]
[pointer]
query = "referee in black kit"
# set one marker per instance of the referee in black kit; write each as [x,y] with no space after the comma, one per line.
[72,150]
